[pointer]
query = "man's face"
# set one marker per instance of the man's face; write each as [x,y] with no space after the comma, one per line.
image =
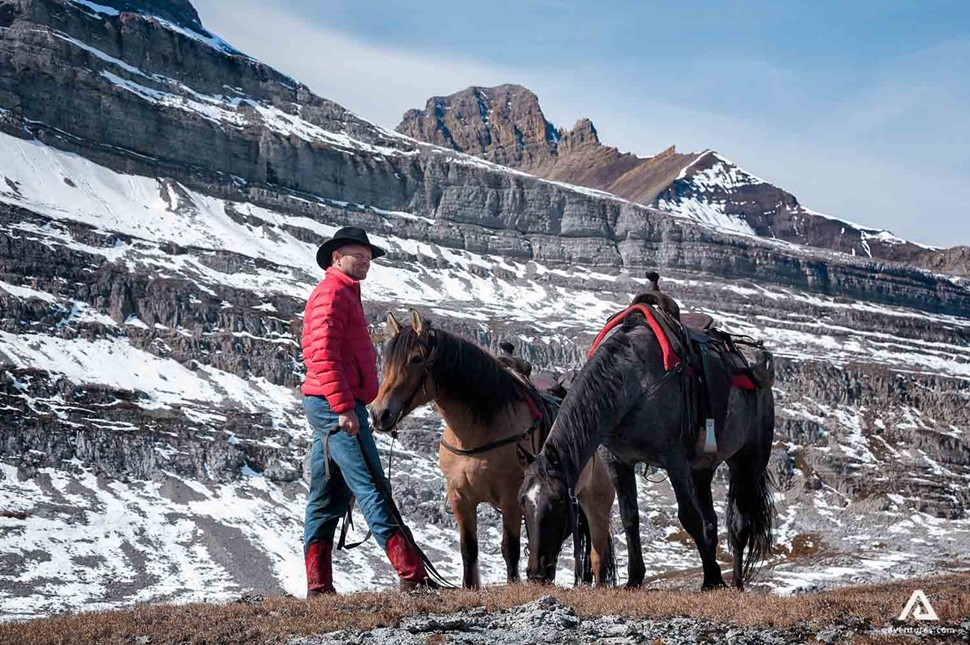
[353,260]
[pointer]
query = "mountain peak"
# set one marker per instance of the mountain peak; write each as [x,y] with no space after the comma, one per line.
[503,124]
[583,132]
[179,12]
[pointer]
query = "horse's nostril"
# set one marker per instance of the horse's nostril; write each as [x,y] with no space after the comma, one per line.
[385,418]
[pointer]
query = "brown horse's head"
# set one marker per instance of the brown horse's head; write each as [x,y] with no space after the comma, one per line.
[549,518]
[408,357]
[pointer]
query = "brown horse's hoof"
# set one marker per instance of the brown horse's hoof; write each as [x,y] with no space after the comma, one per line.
[633,585]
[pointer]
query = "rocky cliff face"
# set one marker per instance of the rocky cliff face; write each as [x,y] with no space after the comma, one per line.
[506,125]
[161,199]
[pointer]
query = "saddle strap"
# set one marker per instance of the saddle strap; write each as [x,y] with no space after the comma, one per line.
[670,356]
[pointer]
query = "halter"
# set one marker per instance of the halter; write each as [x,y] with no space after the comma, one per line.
[422,385]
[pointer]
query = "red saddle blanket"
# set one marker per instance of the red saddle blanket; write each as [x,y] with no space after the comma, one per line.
[672,359]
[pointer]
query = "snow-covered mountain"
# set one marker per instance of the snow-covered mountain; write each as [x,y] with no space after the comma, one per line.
[505,124]
[161,200]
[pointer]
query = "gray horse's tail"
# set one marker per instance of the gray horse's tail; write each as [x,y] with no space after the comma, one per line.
[757,512]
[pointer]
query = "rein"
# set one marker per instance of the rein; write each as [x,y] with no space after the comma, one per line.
[399,520]
[656,386]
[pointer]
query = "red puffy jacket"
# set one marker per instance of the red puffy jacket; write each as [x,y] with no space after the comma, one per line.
[341,363]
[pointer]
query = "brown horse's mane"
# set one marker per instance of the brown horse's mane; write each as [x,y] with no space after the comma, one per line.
[461,370]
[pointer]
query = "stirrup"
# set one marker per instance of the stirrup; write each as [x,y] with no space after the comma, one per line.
[710,439]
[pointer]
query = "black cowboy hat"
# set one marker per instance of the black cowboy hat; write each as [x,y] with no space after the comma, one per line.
[344,236]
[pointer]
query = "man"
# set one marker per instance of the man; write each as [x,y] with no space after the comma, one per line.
[341,378]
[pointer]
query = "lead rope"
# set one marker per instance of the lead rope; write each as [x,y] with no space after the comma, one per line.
[348,521]
[399,520]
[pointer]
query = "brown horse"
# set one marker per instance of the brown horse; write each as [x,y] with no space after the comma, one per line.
[489,427]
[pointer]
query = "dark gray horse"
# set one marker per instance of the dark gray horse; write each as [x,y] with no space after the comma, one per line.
[625,401]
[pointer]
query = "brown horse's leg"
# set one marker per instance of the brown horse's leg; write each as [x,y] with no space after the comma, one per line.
[511,538]
[466,515]
[601,551]
[625,483]
[692,519]
[597,498]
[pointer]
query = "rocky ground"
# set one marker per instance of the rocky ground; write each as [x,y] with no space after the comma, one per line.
[548,621]
[533,614]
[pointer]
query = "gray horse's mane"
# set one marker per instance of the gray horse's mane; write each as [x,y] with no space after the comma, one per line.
[594,396]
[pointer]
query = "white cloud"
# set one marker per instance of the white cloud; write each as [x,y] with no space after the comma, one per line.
[377,83]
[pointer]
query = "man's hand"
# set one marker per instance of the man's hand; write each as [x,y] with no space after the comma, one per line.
[349,423]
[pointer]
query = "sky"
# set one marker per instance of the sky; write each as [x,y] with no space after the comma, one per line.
[861,108]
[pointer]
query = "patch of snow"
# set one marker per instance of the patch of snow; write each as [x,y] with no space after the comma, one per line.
[707,212]
[27,293]
[165,382]
[99,9]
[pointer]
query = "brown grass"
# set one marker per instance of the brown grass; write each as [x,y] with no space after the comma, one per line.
[276,619]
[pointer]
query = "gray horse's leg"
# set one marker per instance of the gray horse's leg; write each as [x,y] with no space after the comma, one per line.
[702,488]
[625,482]
[692,519]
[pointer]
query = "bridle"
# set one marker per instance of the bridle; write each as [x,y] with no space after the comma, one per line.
[422,386]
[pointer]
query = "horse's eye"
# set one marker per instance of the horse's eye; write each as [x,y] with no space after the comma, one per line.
[417,358]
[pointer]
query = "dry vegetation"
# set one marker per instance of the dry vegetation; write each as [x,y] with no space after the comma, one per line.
[276,619]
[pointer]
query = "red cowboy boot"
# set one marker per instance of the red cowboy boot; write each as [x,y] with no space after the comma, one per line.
[407,562]
[319,569]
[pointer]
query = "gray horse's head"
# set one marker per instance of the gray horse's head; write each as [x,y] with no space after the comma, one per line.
[549,518]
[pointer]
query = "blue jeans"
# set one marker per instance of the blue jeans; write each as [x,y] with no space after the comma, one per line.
[329,497]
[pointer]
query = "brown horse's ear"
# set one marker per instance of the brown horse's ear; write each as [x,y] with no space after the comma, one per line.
[525,457]
[393,324]
[416,321]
